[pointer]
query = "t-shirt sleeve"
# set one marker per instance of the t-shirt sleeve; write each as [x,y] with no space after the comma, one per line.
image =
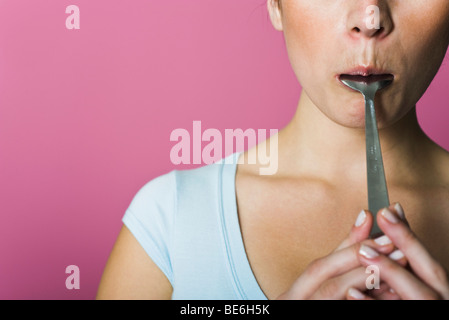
[150,218]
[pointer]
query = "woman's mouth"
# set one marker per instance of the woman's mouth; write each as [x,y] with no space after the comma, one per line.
[370,78]
[366,75]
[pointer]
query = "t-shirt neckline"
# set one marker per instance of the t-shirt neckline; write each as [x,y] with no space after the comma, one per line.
[244,279]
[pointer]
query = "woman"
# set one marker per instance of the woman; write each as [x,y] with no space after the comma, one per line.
[226,232]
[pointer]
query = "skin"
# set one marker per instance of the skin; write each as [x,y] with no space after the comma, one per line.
[298,225]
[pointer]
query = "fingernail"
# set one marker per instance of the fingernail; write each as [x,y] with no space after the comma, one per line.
[383,240]
[389,216]
[360,219]
[396,255]
[356,294]
[368,252]
[399,210]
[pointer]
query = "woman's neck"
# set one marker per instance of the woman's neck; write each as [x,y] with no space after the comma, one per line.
[314,145]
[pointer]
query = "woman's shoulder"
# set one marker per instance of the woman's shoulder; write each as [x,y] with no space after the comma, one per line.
[159,189]
[186,196]
[168,188]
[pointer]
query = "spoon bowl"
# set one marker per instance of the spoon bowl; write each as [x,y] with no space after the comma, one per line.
[367,88]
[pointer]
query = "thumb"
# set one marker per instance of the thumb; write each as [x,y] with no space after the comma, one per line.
[360,230]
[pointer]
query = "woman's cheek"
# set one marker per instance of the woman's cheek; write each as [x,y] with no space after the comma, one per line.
[305,50]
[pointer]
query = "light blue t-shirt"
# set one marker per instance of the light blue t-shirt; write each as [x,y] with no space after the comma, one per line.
[187,222]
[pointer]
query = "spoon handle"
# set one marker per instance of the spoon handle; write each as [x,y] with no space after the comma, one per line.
[377,186]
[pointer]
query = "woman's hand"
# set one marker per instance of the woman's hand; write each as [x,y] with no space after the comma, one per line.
[342,272]
[423,279]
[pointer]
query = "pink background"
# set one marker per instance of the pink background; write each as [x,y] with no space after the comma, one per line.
[86,116]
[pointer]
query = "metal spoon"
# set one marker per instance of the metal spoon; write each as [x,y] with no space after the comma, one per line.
[377,186]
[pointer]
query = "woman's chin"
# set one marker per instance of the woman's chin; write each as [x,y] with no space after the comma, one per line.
[352,115]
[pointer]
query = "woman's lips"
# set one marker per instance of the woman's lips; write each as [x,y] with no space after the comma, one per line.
[367,74]
[367,78]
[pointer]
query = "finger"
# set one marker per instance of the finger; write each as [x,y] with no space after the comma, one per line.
[332,265]
[400,212]
[399,257]
[385,292]
[403,282]
[382,244]
[322,269]
[359,231]
[354,294]
[420,260]
[337,288]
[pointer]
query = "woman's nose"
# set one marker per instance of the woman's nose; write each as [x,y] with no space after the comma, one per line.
[369,18]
